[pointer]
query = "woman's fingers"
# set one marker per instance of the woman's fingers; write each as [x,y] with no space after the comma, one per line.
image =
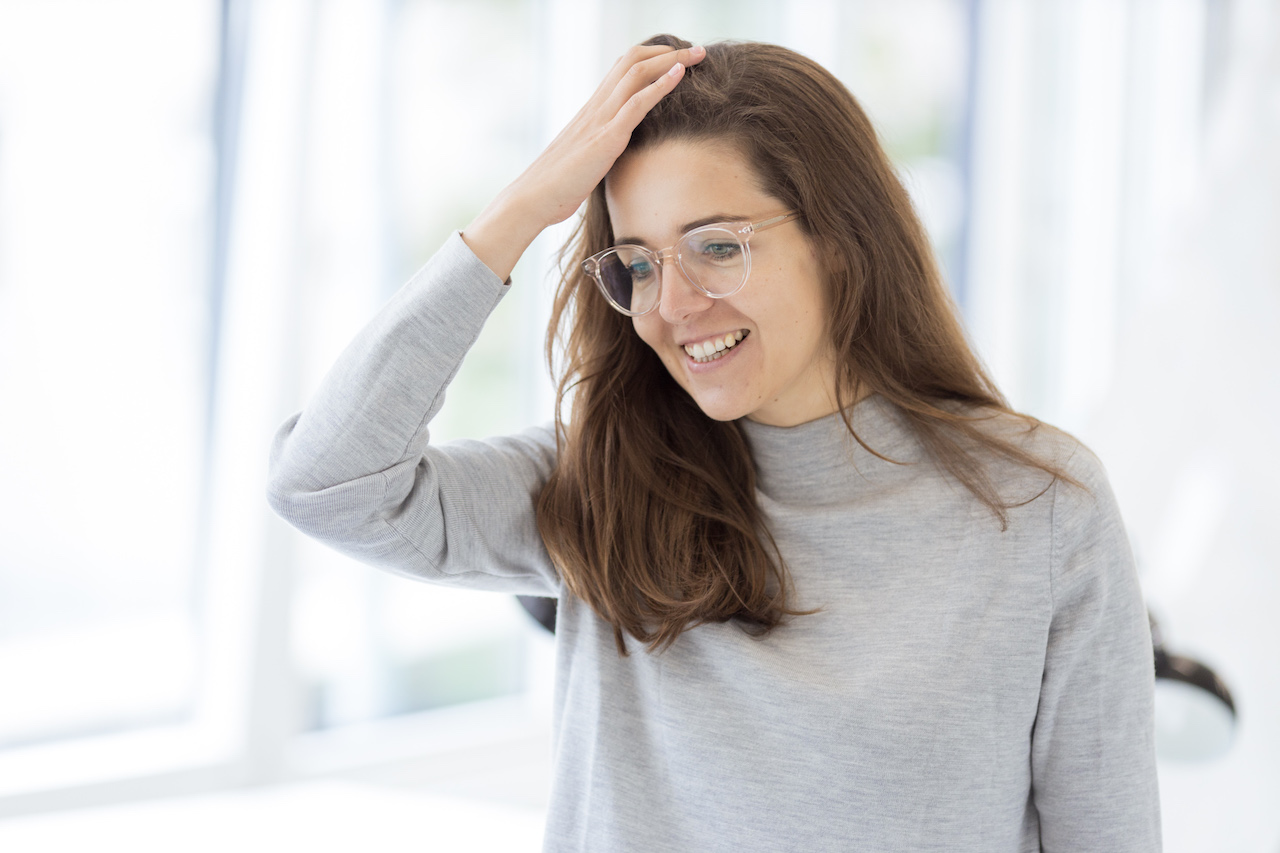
[623,64]
[575,162]
[647,70]
[647,53]
[638,104]
[580,156]
[585,150]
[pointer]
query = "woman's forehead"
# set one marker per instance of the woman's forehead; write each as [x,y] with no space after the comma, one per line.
[663,190]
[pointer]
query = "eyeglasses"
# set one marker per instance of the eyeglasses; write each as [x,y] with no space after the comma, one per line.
[716,259]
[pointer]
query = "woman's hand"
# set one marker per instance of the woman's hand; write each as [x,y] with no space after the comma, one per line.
[560,179]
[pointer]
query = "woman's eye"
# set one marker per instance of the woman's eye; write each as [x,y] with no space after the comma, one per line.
[721,251]
[641,270]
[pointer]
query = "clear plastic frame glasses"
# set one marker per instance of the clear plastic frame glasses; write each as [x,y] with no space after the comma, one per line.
[716,259]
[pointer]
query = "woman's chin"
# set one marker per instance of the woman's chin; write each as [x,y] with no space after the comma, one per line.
[722,410]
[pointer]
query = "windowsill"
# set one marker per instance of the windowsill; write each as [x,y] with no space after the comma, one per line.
[460,728]
[312,816]
[433,750]
[105,759]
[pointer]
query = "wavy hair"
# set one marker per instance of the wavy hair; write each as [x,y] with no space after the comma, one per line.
[651,515]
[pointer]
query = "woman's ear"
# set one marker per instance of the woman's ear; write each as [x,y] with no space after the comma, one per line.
[833,259]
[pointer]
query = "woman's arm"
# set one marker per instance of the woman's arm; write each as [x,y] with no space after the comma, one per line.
[356,470]
[1093,751]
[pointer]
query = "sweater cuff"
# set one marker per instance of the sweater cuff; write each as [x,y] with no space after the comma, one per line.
[463,254]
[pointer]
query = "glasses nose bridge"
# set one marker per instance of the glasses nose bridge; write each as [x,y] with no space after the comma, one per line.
[670,257]
[662,256]
[680,297]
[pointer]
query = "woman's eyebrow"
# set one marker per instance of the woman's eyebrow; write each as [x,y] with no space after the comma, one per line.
[687,227]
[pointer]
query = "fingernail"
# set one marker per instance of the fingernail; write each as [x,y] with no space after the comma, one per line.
[675,70]
[697,50]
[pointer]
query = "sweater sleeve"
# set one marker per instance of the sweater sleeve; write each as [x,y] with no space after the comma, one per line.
[355,469]
[1093,748]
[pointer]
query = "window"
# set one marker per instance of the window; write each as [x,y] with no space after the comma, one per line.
[106,187]
[399,150]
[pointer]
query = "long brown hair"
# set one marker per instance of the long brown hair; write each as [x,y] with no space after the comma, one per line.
[651,515]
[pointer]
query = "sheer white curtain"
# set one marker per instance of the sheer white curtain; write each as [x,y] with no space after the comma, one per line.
[1124,284]
[1188,429]
[106,184]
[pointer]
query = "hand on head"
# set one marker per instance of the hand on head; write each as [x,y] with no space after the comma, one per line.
[560,179]
[581,155]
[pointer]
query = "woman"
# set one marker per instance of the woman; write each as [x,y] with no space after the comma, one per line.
[819,588]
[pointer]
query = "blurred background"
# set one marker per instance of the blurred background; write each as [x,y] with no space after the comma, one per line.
[202,202]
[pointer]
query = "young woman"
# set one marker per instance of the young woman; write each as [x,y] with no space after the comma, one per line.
[819,587]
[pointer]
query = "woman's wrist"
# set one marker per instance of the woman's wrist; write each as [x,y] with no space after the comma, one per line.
[502,232]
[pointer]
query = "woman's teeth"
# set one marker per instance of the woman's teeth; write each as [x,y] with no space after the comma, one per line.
[710,350]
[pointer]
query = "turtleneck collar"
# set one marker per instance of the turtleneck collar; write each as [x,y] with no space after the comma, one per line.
[820,462]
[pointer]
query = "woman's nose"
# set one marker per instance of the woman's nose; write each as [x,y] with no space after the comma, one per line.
[679,298]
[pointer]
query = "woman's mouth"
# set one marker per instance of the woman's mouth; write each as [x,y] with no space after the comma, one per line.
[714,348]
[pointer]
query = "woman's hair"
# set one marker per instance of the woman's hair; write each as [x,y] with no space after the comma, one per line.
[651,515]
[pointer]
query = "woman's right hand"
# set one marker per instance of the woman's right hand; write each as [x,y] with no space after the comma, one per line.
[560,179]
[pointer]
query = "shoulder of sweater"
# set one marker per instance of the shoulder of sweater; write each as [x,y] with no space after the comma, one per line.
[1038,438]
[1057,449]
[1078,507]
[1085,510]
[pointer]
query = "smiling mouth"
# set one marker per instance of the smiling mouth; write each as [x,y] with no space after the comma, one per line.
[713,348]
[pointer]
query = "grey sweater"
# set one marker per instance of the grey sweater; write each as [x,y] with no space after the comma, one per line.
[961,688]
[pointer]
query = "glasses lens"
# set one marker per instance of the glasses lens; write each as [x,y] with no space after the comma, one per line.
[715,258]
[629,278]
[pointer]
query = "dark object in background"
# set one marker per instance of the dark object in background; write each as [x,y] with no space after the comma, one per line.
[542,609]
[1195,714]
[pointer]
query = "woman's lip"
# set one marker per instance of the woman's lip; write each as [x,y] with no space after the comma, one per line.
[706,366]
[712,338]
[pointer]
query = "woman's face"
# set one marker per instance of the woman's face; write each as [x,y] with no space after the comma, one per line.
[782,371]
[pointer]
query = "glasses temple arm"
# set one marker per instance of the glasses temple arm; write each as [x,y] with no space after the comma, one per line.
[776,220]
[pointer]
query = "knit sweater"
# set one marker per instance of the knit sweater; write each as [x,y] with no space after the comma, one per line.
[960,688]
